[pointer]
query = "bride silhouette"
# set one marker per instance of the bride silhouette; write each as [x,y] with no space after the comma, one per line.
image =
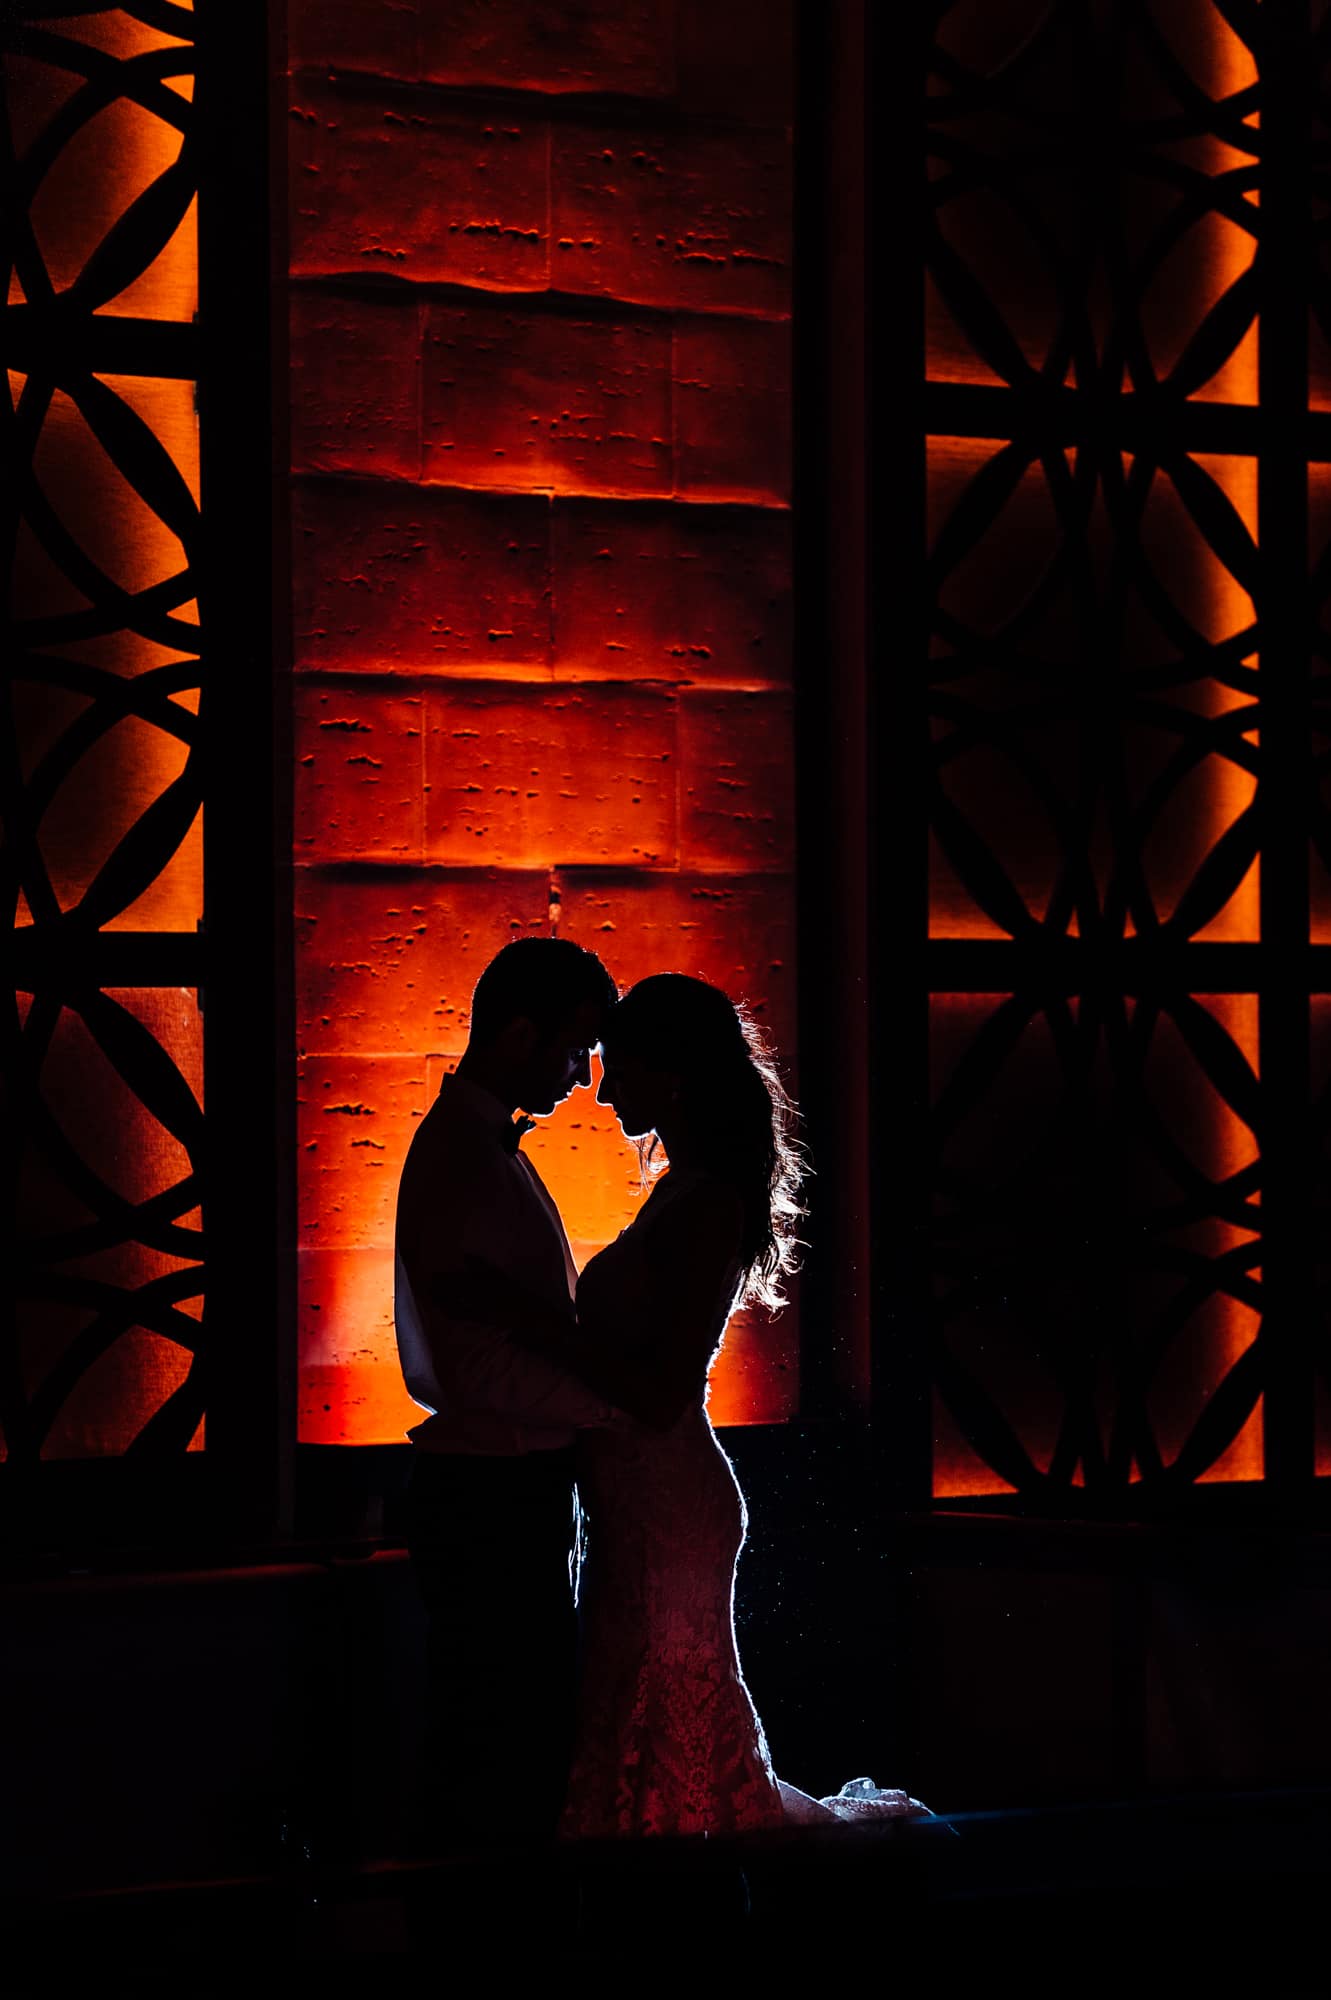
[668,1740]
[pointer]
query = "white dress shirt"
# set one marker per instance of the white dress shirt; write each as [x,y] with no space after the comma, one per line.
[463,1194]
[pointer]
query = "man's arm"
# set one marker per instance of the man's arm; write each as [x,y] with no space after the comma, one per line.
[647,1354]
[481,1367]
[453,1357]
[452,1204]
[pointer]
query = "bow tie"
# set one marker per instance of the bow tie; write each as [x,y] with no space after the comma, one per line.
[512,1135]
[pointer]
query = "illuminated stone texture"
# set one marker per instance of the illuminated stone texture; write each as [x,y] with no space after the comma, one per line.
[581,45]
[732,410]
[589,1167]
[359,768]
[525,399]
[355,388]
[351,1389]
[395,577]
[386,959]
[712,59]
[737,794]
[419,190]
[672,218]
[588,406]
[531,779]
[355,1117]
[335,34]
[403,578]
[756,1379]
[737,931]
[671,593]
[577,45]
[540,516]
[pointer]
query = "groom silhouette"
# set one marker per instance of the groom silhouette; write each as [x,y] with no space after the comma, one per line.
[490,1503]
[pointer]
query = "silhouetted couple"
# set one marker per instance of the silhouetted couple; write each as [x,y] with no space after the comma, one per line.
[537,1380]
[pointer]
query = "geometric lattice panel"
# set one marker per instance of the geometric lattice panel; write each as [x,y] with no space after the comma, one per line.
[1121,408]
[101,780]
[1095,681]
[1097,1241]
[109,1282]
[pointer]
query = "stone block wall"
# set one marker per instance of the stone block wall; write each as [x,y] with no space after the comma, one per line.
[540,262]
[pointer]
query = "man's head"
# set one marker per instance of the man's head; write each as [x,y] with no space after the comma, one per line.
[536,1014]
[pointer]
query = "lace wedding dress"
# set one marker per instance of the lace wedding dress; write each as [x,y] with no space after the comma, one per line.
[668,1740]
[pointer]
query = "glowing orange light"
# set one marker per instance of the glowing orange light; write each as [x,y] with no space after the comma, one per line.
[553,549]
[92,180]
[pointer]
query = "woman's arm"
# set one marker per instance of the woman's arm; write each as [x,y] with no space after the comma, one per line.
[650,1316]
[486,1296]
[594,1354]
[645,1335]
[479,1367]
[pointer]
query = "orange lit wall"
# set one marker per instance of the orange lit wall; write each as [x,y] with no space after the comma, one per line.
[540,295]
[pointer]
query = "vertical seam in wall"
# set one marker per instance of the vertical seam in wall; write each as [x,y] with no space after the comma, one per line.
[551,870]
[549,203]
[552,643]
[427,704]
[678,753]
[552,640]
[422,319]
[671,424]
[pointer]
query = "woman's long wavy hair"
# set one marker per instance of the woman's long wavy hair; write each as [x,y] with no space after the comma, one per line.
[737,1109]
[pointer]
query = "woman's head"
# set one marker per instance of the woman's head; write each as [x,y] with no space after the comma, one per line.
[679,1055]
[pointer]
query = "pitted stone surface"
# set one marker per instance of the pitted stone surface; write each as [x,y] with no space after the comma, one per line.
[355,385]
[540,423]
[671,593]
[614,46]
[737,931]
[409,579]
[386,959]
[618,46]
[532,778]
[417,189]
[672,217]
[354,1119]
[332,35]
[360,761]
[732,410]
[737,786]
[532,401]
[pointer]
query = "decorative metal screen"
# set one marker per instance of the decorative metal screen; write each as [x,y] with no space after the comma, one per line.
[104,700]
[1129,888]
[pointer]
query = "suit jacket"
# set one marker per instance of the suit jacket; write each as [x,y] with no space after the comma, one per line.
[464,1192]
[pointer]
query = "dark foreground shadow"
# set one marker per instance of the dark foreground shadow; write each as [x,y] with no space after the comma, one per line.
[1161,1896]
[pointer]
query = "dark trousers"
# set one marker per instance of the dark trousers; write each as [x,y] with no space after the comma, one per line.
[489,1540]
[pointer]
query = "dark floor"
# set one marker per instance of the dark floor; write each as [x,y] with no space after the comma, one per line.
[1183,1896]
